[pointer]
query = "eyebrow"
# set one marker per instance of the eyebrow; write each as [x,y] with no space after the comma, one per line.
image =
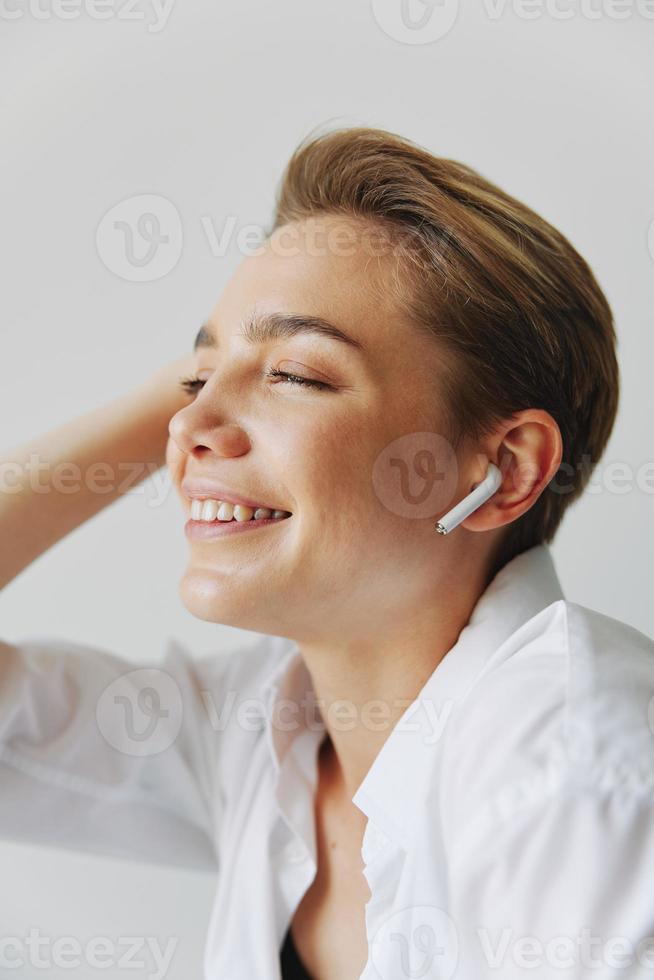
[261,327]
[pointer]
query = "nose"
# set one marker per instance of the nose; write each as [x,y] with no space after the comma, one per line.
[198,430]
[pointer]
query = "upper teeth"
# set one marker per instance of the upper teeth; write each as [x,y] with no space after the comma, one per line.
[211,510]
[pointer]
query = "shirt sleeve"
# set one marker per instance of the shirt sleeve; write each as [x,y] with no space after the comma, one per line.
[99,754]
[565,888]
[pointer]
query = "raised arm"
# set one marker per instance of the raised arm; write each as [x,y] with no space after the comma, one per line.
[57,481]
[86,762]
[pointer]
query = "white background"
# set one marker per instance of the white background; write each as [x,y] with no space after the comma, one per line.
[204,113]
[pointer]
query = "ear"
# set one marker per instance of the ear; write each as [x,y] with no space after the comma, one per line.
[529,449]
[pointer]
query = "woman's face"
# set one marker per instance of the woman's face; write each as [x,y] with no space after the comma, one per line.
[359,545]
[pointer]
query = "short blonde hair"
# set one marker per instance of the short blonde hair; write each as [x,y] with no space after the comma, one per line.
[515,308]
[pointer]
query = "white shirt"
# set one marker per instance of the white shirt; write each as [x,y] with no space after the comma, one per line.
[510,828]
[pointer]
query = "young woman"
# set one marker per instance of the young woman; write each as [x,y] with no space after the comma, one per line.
[431,763]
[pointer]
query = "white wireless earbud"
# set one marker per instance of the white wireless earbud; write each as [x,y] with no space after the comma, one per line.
[482,492]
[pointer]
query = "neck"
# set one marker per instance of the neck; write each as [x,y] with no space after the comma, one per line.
[364,686]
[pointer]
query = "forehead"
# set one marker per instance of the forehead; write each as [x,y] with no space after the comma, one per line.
[331,266]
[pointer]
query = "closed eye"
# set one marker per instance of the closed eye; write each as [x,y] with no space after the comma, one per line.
[296,379]
[193,384]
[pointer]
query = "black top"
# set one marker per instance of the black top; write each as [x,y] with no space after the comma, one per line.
[291,964]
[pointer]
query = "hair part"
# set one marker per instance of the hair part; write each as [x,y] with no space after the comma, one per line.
[520,318]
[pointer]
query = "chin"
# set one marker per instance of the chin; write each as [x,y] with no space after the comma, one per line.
[211,599]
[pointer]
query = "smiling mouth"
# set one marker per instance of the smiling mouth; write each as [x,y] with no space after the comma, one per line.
[210,511]
[205,529]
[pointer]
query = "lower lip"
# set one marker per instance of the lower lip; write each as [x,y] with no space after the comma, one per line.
[201,530]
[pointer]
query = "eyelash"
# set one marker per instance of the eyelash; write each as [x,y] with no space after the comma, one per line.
[192,385]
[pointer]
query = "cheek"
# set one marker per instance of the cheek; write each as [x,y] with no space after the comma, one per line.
[334,470]
[174,459]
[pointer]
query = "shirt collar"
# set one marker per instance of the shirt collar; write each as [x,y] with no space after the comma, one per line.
[397,781]
[290,706]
